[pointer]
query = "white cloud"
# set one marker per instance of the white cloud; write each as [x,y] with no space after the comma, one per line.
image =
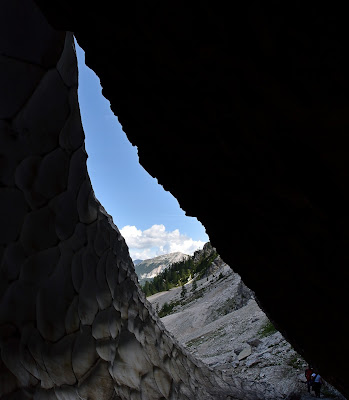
[156,240]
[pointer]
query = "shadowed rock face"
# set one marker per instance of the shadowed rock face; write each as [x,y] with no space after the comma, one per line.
[73,322]
[253,100]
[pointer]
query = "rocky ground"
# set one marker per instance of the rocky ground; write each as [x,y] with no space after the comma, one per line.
[221,323]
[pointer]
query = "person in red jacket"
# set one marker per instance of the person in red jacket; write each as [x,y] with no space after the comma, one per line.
[308,373]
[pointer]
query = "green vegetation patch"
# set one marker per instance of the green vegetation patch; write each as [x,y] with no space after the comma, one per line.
[295,362]
[204,264]
[178,274]
[169,308]
[196,295]
[267,330]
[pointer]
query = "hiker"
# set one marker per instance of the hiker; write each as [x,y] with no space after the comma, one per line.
[316,382]
[308,373]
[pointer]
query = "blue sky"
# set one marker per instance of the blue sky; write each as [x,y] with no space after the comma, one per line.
[149,218]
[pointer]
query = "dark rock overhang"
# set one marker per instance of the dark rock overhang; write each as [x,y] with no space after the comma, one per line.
[242,114]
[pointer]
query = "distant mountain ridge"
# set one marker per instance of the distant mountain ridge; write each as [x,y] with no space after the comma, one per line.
[202,263]
[149,269]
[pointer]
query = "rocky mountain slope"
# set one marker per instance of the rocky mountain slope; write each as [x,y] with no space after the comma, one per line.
[221,323]
[148,269]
